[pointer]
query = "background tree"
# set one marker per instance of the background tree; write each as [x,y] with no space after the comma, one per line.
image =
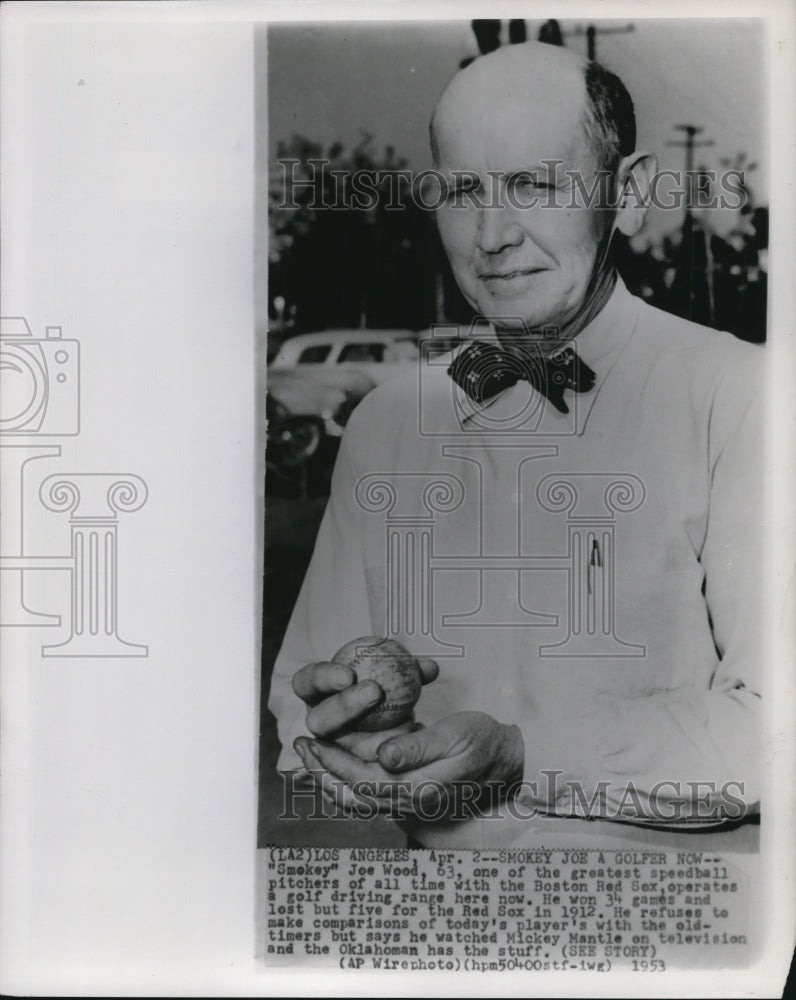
[335,264]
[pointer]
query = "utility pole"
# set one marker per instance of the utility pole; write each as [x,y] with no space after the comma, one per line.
[591,32]
[693,286]
[690,144]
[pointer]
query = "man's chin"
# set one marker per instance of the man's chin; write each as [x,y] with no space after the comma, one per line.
[517,313]
[519,320]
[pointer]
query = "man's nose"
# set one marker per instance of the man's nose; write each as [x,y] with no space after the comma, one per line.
[498,230]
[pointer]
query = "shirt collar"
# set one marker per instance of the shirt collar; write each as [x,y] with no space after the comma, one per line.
[599,345]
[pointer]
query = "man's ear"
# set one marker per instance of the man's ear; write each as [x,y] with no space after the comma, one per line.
[634,178]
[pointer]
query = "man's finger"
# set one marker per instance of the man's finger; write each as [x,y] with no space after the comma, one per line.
[428,788]
[317,681]
[335,792]
[347,766]
[339,711]
[349,795]
[429,668]
[365,745]
[413,750]
[368,782]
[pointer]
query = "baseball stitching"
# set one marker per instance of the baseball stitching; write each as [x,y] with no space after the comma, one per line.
[363,654]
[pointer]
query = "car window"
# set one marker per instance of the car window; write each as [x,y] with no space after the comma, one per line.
[361,352]
[314,355]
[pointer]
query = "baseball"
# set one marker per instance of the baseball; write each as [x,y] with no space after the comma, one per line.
[393,668]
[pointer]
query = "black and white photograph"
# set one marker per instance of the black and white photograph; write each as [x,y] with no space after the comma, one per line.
[516,417]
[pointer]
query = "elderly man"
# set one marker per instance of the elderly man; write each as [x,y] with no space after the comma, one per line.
[589,637]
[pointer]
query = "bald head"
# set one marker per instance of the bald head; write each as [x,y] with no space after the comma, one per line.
[548,81]
[531,63]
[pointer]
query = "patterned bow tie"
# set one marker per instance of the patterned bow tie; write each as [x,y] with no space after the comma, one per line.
[483,370]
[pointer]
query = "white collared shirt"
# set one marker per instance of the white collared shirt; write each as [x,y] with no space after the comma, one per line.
[592,577]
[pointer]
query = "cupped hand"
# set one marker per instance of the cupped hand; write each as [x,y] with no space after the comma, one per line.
[436,769]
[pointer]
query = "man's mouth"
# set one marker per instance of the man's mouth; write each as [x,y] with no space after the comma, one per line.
[509,275]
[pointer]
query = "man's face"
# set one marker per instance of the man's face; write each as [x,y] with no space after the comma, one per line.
[535,263]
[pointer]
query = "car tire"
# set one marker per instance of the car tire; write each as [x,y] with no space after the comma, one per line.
[307,434]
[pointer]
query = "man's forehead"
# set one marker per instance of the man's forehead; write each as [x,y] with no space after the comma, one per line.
[519,102]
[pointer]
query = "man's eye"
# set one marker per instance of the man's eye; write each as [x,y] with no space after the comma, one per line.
[460,190]
[529,181]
